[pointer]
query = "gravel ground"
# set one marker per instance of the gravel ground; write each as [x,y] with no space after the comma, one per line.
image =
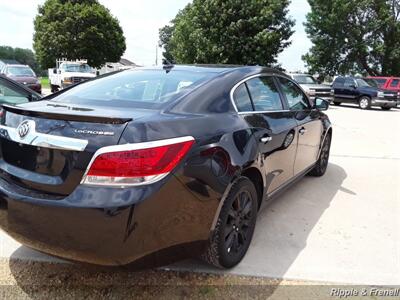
[21,279]
[38,280]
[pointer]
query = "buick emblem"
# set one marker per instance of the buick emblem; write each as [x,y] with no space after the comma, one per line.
[24,128]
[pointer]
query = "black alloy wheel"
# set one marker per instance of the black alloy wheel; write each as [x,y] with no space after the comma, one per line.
[235,226]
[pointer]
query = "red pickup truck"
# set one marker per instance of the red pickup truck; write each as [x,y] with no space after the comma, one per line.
[388,83]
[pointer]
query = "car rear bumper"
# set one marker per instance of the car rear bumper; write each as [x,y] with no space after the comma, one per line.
[90,228]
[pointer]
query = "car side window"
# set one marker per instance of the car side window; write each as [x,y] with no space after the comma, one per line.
[264,94]
[297,100]
[394,83]
[339,81]
[242,99]
[349,82]
[8,95]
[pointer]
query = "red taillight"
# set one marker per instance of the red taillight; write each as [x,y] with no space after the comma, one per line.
[136,164]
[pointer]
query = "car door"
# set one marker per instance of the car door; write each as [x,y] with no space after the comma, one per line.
[338,88]
[13,93]
[259,102]
[350,91]
[309,126]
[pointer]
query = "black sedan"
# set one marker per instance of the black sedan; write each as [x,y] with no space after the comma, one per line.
[174,160]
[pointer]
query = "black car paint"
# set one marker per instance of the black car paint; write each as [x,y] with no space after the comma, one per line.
[111,226]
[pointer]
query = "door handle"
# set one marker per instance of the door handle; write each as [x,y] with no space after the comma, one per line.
[265,139]
[302,131]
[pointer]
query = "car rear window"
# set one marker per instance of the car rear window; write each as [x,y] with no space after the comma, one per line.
[136,88]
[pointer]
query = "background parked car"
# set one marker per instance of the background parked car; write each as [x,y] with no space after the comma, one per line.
[358,91]
[22,74]
[312,87]
[12,92]
[387,83]
[67,73]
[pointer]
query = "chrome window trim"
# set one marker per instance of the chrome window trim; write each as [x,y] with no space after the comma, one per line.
[242,81]
[129,147]
[261,111]
[44,140]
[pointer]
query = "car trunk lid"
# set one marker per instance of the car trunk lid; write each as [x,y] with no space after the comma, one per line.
[45,147]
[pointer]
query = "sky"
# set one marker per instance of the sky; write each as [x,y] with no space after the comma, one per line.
[140,21]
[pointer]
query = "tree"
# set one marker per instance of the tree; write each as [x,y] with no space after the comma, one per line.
[229,32]
[77,29]
[354,36]
[23,56]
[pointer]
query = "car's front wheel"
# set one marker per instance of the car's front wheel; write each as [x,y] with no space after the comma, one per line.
[385,108]
[364,102]
[337,103]
[235,226]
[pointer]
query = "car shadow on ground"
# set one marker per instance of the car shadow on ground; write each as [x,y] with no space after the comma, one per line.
[281,235]
[283,227]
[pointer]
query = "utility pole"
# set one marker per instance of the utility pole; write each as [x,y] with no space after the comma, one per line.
[156,55]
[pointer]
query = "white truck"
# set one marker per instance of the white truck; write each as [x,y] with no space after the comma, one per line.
[69,72]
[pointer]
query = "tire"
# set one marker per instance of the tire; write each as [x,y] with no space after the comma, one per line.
[386,108]
[53,88]
[234,229]
[364,102]
[323,159]
[337,103]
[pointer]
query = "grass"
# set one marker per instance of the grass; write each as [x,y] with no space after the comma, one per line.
[45,82]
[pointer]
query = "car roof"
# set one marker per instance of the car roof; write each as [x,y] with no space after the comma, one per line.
[17,65]
[383,77]
[214,68]
[10,61]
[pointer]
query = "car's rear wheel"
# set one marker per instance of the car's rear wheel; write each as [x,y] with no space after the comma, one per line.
[337,103]
[364,102]
[322,162]
[235,226]
[385,108]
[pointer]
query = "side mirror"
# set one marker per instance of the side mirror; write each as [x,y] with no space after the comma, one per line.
[54,71]
[353,86]
[321,104]
[59,71]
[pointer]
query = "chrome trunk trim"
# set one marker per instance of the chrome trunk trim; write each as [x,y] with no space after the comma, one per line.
[34,138]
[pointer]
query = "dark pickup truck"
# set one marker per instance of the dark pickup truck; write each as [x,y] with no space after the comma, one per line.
[358,91]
